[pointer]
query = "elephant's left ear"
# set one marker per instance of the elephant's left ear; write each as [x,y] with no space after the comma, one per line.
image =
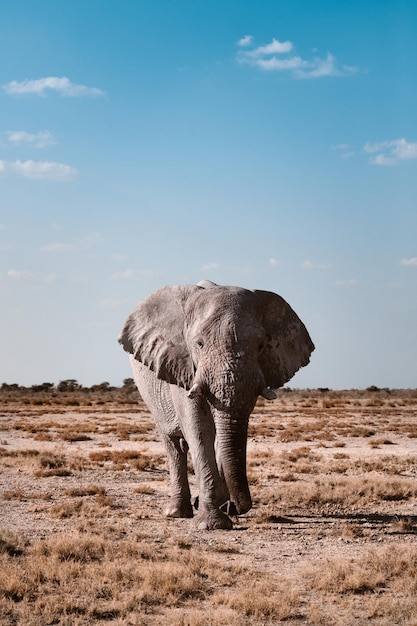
[288,345]
[153,334]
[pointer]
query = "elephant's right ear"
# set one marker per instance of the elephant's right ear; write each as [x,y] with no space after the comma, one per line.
[288,346]
[153,334]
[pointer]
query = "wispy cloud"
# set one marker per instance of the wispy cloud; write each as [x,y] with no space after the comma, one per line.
[309,265]
[38,140]
[345,150]
[208,267]
[46,170]
[59,84]
[125,275]
[408,262]
[278,56]
[273,262]
[20,274]
[28,275]
[391,152]
[128,274]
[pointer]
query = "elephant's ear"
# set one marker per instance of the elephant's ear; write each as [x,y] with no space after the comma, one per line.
[288,346]
[153,334]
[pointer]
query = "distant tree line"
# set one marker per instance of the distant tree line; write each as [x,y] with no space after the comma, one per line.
[70,385]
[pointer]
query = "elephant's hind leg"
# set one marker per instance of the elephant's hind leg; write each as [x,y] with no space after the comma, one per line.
[180,501]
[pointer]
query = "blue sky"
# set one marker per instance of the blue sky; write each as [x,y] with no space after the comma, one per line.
[269,145]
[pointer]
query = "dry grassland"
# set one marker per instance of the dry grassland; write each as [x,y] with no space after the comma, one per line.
[331,540]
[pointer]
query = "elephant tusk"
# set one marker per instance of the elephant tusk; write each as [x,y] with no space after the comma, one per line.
[229,508]
[194,391]
[268,394]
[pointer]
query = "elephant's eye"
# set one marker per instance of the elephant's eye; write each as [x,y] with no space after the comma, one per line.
[200,343]
[261,347]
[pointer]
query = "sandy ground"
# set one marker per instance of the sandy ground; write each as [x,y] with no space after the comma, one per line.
[293,443]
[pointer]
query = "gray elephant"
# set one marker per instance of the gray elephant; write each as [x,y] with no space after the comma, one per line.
[201,355]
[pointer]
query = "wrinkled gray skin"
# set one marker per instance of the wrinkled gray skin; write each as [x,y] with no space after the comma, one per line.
[201,355]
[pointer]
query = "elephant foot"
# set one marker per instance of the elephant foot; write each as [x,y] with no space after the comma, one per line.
[179,508]
[212,520]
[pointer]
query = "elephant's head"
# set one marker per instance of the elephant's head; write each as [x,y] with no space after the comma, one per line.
[226,346]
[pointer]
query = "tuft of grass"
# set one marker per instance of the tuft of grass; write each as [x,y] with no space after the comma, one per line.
[11,544]
[120,458]
[91,490]
[19,494]
[262,601]
[73,547]
[73,436]
[14,494]
[378,569]
[145,489]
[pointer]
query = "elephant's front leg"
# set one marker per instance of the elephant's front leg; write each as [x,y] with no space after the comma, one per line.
[198,428]
[209,516]
[180,500]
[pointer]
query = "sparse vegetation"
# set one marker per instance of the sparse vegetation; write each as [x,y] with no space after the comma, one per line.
[331,540]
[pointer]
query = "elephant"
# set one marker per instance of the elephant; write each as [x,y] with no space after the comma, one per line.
[201,355]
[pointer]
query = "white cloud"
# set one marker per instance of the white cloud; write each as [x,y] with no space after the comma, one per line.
[60,84]
[389,153]
[409,262]
[273,262]
[83,244]
[274,64]
[275,47]
[39,140]
[269,57]
[246,40]
[27,275]
[322,67]
[20,274]
[309,265]
[46,170]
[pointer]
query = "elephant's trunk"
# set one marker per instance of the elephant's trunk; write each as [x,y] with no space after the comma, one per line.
[231,435]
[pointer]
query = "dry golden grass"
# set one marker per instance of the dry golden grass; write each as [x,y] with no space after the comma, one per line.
[102,577]
[134,458]
[331,540]
[385,577]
